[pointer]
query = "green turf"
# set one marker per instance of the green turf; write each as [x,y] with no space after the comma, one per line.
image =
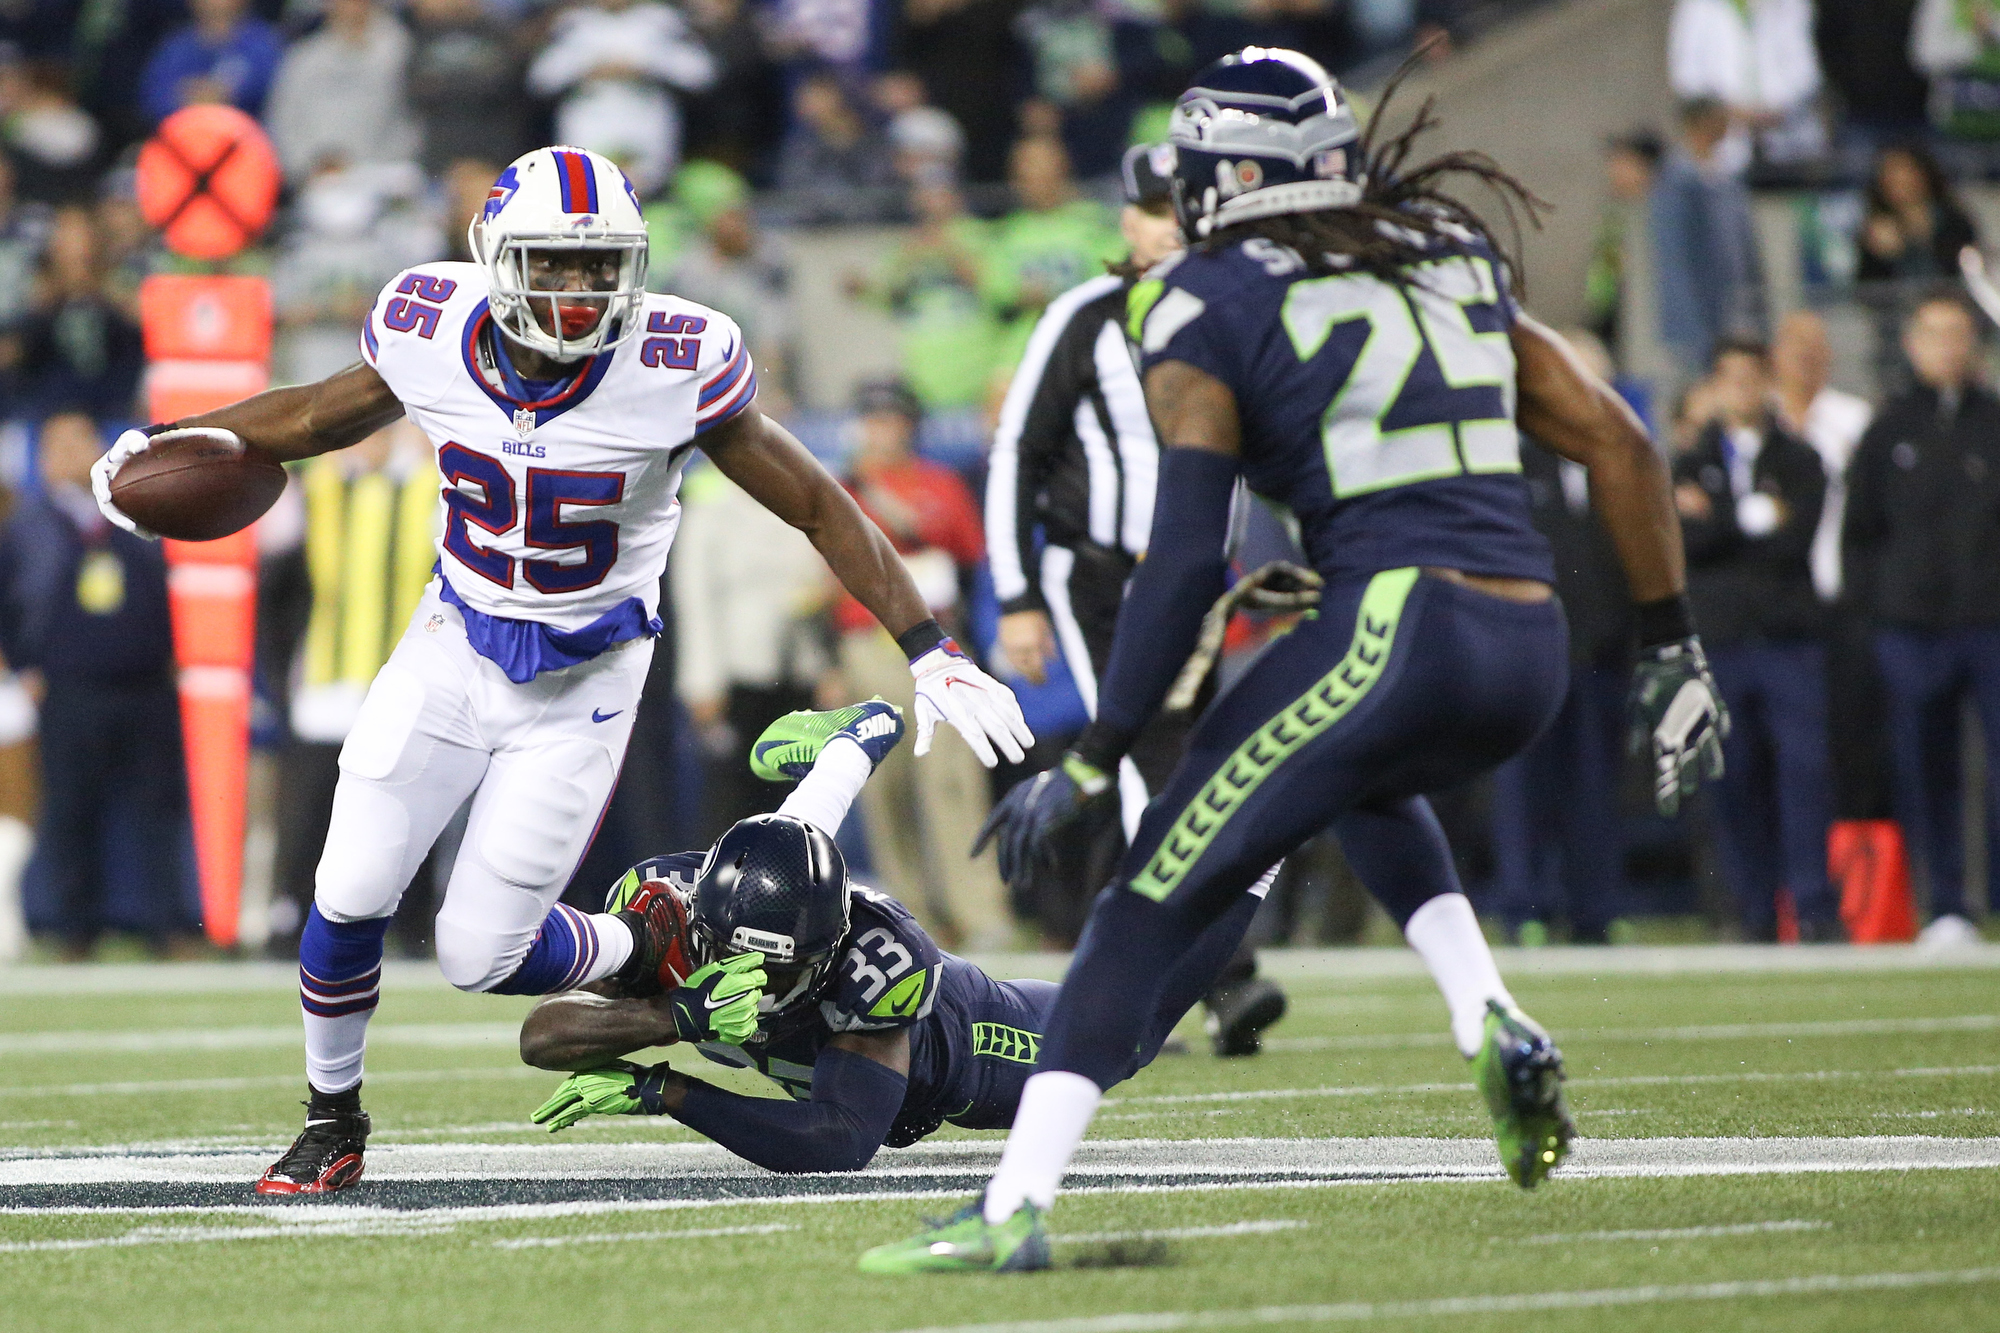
[1358,1057]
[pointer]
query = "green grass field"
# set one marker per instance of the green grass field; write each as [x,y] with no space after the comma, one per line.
[1800,1141]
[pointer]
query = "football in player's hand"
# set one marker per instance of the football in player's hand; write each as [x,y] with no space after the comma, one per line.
[197,486]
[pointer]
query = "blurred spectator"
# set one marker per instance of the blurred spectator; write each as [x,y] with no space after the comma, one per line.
[1076,72]
[1557,851]
[1705,260]
[54,140]
[338,97]
[835,164]
[969,60]
[1922,541]
[77,347]
[129,249]
[1630,160]
[355,228]
[24,230]
[1914,227]
[749,592]
[223,56]
[740,120]
[921,815]
[1051,241]
[368,552]
[1757,58]
[1956,44]
[731,265]
[617,65]
[465,84]
[1864,47]
[928,144]
[1749,496]
[1831,421]
[83,616]
[931,283]
[824,34]
[461,196]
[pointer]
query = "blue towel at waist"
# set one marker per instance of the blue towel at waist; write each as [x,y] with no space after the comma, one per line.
[526,648]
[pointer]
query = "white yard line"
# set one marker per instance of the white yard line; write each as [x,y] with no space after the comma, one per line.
[152,979]
[1258,1228]
[1667,1233]
[1137,1163]
[133,1087]
[1369,1311]
[603,1237]
[1626,1081]
[1837,1027]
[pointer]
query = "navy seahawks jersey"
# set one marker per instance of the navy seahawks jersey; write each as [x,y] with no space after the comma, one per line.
[968,1033]
[1382,416]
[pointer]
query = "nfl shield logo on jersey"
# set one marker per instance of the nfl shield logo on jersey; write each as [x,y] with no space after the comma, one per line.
[524,422]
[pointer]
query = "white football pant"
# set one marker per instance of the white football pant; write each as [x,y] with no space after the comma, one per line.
[442,723]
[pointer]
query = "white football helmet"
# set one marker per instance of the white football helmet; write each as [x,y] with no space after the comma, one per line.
[571,199]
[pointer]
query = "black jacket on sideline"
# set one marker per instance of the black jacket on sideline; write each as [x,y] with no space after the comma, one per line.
[44,624]
[1745,587]
[1921,534]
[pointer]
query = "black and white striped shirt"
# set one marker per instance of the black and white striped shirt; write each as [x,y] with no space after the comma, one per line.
[1075,451]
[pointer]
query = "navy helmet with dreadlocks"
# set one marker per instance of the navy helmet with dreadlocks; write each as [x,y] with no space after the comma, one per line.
[1263,132]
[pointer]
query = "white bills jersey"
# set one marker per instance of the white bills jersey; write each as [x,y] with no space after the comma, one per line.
[559,500]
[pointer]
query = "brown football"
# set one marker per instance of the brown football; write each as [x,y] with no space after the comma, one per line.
[197,487]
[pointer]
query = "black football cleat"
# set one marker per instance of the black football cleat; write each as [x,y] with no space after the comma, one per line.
[325,1157]
[1238,1015]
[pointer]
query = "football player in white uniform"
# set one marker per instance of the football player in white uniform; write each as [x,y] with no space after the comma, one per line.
[564,401]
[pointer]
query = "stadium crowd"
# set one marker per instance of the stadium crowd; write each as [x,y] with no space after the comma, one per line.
[1844,547]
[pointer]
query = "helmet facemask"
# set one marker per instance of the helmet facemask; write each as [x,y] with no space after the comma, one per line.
[530,283]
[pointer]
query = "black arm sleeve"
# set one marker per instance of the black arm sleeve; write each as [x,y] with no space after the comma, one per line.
[1171,591]
[854,1101]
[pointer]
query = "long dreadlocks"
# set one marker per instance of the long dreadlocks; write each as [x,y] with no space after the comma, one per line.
[1404,214]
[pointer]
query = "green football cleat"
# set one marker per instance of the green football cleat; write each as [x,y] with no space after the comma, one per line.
[1520,1073]
[967,1243]
[790,746]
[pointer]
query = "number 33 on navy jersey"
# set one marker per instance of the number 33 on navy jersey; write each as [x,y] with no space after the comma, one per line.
[560,508]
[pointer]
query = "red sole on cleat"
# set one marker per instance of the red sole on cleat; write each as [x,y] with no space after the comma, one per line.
[339,1176]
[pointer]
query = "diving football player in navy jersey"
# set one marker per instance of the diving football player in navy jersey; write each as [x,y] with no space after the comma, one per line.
[1342,335]
[830,990]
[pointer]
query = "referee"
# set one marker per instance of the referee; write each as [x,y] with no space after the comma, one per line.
[1075,456]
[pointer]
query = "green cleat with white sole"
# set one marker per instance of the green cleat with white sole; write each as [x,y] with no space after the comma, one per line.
[967,1243]
[1520,1073]
[790,746]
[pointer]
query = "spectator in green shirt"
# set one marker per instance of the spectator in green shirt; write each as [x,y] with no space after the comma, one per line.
[1050,242]
[932,284]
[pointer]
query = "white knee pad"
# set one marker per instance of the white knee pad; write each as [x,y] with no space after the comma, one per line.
[476,957]
[361,873]
[532,819]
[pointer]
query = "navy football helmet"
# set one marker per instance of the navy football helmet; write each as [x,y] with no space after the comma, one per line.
[777,885]
[1262,132]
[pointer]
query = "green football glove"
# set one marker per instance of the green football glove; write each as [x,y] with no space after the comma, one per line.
[1677,711]
[719,1002]
[620,1089]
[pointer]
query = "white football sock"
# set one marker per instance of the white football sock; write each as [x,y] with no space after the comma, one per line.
[1056,1108]
[333,1050]
[614,946]
[837,777]
[1445,933]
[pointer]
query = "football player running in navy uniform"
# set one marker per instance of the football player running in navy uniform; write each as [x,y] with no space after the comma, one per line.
[831,990]
[1343,336]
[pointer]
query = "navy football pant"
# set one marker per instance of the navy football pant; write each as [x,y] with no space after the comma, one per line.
[1009,1030]
[1402,684]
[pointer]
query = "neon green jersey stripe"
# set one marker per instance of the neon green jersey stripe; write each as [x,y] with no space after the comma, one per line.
[1301,722]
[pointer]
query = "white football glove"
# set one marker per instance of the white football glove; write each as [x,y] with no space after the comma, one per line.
[127,446]
[951,688]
